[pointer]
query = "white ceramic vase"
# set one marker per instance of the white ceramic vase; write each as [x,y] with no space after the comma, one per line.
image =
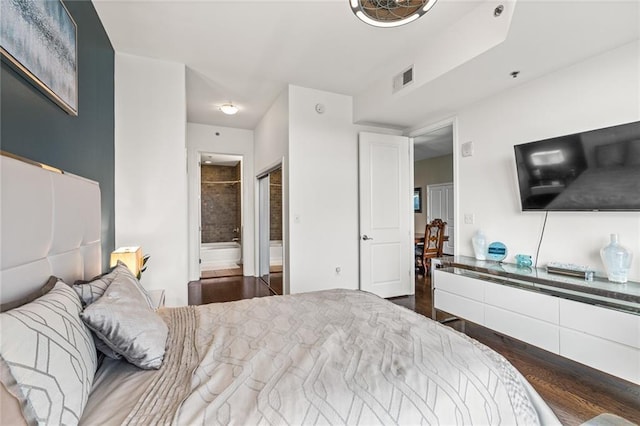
[479,241]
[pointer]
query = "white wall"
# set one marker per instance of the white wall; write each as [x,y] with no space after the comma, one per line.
[602,91]
[220,140]
[150,169]
[323,191]
[272,134]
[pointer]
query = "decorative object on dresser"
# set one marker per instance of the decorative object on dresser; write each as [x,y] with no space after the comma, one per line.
[479,241]
[497,251]
[524,260]
[571,270]
[617,260]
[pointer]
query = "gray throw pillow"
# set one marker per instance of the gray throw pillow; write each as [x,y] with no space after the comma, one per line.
[91,291]
[125,322]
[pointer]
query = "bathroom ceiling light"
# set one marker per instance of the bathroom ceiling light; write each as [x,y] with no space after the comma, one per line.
[229,108]
[390,13]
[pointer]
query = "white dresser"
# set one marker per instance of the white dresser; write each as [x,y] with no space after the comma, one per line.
[595,323]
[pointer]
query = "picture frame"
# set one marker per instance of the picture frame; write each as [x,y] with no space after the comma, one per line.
[417,200]
[38,39]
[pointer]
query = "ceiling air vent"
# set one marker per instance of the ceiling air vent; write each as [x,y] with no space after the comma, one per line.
[403,79]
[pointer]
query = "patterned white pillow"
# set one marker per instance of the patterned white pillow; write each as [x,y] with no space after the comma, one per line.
[47,357]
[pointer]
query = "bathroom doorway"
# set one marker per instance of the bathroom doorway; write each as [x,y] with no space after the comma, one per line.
[220,215]
[270,229]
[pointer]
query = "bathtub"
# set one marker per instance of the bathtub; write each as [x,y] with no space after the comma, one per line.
[220,255]
[275,252]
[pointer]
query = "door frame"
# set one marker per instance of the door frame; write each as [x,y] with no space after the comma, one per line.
[198,189]
[449,121]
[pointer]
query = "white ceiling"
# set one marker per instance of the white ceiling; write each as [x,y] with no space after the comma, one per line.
[247,51]
[435,143]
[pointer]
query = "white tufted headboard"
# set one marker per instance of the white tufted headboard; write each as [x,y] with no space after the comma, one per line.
[49,225]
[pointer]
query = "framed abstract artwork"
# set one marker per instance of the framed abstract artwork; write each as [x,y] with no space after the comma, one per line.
[38,38]
[417,200]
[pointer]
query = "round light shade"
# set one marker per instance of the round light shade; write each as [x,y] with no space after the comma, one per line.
[390,13]
[229,109]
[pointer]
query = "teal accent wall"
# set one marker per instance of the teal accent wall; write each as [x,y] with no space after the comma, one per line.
[32,126]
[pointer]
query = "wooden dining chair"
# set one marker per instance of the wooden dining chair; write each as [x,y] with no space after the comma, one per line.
[433,242]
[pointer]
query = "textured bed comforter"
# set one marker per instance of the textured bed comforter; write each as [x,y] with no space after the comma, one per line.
[331,357]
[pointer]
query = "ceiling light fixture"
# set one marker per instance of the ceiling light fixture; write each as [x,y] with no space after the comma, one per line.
[229,108]
[390,13]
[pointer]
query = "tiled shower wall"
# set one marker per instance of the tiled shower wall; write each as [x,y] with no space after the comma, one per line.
[220,204]
[275,205]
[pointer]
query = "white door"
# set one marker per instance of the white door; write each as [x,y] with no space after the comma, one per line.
[440,206]
[386,215]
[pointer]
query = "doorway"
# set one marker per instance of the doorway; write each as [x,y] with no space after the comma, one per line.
[270,244]
[434,176]
[220,215]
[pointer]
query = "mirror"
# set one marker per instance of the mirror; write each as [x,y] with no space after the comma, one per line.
[270,230]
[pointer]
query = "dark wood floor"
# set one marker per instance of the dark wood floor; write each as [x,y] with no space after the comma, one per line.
[575,393]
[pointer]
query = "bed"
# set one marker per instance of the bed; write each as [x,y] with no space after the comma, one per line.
[329,357]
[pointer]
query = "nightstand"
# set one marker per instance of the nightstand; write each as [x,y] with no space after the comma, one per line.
[157,298]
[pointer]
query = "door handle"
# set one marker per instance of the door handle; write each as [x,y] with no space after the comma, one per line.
[365,237]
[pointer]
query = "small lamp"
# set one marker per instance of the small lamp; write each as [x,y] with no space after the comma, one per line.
[130,256]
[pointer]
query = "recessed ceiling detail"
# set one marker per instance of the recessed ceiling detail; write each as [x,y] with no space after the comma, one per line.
[390,13]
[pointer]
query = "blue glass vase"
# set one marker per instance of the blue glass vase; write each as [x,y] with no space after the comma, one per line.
[617,260]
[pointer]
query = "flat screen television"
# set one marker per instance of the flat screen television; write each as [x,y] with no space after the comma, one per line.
[597,170]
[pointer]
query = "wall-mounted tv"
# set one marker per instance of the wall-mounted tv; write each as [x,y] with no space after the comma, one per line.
[597,170]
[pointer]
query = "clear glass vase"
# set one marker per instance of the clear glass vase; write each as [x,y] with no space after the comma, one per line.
[617,260]
[479,242]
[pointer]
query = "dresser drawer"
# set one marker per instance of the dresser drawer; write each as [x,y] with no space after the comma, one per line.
[620,360]
[467,287]
[605,323]
[523,302]
[463,307]
[531,330]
